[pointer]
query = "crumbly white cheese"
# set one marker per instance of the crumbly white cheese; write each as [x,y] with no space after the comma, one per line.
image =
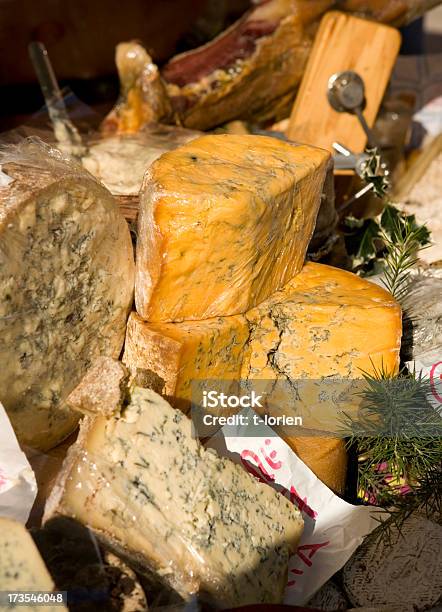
[199,521]
[66,283]
[121,161]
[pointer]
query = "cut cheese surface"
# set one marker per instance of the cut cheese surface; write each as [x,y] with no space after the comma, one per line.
[21,566]
[201,522]
[101,390]
[66,286]
[168,356]
[225,220]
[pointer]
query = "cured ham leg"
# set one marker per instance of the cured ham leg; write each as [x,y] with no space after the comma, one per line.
[250,71]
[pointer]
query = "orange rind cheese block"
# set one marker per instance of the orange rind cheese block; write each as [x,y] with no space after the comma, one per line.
[224,221]
[325,327]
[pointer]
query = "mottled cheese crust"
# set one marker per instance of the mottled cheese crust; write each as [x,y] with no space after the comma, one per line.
[326,323]
[224,221]
[201,522]
[66,286]
[21,567]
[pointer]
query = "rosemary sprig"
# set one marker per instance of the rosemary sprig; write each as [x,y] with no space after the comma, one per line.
[393,239]
[395,405]
[403,239]
[398,437]
[398,430]
[390,242]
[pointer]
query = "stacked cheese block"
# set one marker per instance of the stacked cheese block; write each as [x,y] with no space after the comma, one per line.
[221,291]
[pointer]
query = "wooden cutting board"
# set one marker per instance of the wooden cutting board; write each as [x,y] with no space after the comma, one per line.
[342,43]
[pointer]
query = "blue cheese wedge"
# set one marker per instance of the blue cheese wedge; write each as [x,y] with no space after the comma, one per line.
[21,567]
[66,286]
[199,522]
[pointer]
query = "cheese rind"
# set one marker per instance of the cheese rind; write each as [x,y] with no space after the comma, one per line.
[201,522]
[325,322]
[66,286]
[102,390]
[21,567]
[224,221]
[325,325]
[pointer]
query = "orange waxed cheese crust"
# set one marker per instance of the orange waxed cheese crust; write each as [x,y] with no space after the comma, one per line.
[225,221]
[325,322]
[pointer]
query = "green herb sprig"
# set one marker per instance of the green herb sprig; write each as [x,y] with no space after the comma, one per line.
[403,238]
[398,431]
[373,171]
[398,436]
[389,242]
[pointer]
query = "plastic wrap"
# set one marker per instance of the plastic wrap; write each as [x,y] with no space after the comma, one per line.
[120,161]
[224,222]
[94,579]
[197,522]
[66,286]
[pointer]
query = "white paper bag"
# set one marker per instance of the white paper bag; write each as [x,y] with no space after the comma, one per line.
[333,528]
[18,488]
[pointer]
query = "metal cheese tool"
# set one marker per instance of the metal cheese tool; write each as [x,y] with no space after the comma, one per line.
[346,159]
[64,130]
[346,94]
